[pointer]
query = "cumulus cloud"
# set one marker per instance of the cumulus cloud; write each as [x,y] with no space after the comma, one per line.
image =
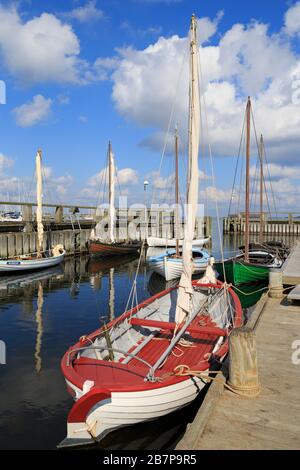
[33,112]
[292,20]
[247,60]
[86,13]
[125,176]
[45,49]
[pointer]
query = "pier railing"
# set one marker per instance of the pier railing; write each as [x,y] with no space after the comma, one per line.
[279,223]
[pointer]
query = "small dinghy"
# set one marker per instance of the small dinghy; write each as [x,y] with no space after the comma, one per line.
[170,266]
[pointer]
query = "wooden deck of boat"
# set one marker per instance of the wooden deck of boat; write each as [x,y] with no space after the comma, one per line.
[270,421]
[291,267]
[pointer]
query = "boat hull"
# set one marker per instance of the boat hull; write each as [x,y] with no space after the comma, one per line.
[113,395]
[7,266]
[171,242]
[98,248]
[170,268]
[238,272]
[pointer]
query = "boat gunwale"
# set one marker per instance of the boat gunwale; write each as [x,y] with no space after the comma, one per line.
[73,377]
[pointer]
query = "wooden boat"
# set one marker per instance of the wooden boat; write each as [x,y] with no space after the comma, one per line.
[238,271]
[41,259]
[97,246]
[170,263]
[253,263]
[155,358]
[170,266]
[170,242]
[140,381]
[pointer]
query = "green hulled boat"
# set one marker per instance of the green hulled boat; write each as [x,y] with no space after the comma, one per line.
[249,294]
[238,271]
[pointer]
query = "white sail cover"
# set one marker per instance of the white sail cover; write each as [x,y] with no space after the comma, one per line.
[111,193]
[39,210]
[97,233]
[185,289]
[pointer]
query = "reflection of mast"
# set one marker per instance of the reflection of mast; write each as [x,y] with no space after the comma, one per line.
[39,323]
[111,294]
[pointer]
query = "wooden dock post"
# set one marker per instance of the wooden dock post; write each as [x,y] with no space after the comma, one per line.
[243,370]
[275,283]
[59,214]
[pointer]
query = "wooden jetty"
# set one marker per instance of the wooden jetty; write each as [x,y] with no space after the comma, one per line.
[271,420]
[282,223]
[71,225]
[291,266]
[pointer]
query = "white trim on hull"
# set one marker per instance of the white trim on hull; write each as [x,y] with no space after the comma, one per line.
[171,268]
[14,265]
[171,242]
[128,408]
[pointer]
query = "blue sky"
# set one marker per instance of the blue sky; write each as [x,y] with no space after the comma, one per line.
[81,72]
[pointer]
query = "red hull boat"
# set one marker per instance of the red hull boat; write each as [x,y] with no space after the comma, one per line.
[136,375]
[98,248]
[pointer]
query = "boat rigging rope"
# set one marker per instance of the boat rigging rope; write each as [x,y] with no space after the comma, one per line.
[183,370]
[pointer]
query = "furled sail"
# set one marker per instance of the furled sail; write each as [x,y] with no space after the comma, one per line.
[98,231]
[185,289]
[111,193]
[39,210]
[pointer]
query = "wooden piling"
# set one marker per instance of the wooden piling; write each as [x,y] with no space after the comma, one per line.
[243,370]
[275,283]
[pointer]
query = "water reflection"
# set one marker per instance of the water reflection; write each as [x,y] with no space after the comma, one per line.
[39,324]
[41,315]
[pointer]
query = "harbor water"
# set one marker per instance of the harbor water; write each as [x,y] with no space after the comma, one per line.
[44,313]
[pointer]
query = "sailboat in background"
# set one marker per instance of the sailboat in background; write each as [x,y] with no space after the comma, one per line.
[41,258]
[175,242]
[96,245]
[253,264]
[275,247]
[170,263]
[154,358]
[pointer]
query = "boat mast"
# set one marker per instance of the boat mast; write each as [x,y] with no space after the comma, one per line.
[185,288]
[261,150]
[247,198]
[111,171]
[39,210]
[176,193]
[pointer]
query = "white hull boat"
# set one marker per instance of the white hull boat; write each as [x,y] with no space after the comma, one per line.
[30,263]
[128,388]
[171,242]
[170,267]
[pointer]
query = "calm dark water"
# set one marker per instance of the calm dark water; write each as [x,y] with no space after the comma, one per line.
[41,315]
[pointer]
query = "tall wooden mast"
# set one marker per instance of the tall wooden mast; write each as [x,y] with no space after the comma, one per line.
[247,197]
[261,217]
[39,209]
[176,194]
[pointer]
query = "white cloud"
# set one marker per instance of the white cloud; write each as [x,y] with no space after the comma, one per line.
[292,20]
[85,14]
[275,171]
[206,28]
[45,49]
[125,176]
[214,194]
[5,162]
[33,112]
[247,60]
